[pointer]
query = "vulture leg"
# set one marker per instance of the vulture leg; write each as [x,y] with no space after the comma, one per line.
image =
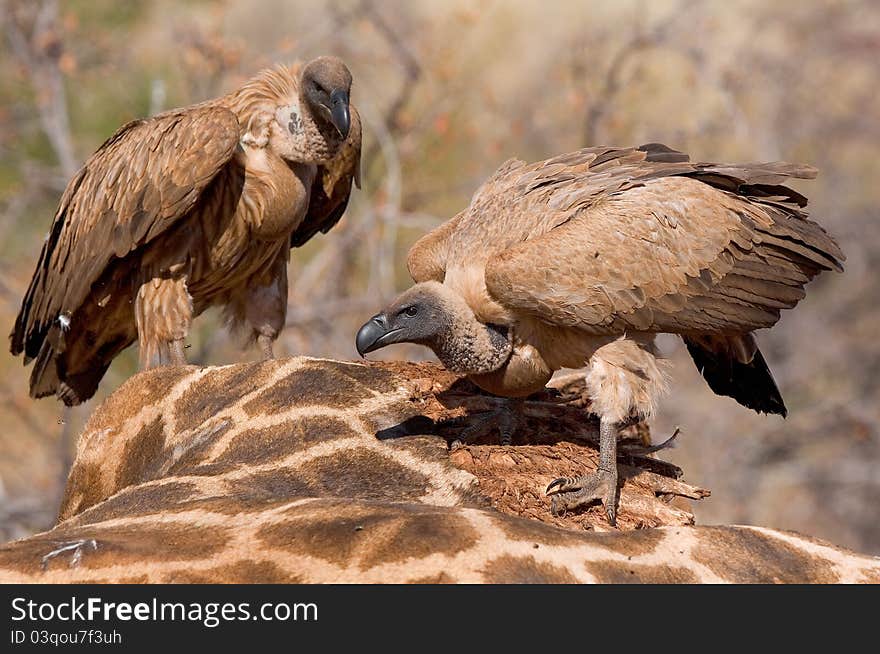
[264,342]
[260,307]
[178,358]
[625,380]
[163,311]
[506,419]
[574,492]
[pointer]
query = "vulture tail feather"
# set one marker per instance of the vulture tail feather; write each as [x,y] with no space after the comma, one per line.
[751,384]
[52,375]
[44,375]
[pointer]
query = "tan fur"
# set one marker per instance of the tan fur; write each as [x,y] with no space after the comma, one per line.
[228,474]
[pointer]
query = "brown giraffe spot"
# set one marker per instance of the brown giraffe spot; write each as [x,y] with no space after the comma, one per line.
[140,579]
[309,386]
[624,572]
[378,379]
[363,474]
[355,473]
[140,500]
[434,449]
[369,534]
[332,531]
[218,389]
[744,556]
[241,572]
[419,535]
[281,484]
[522,529]
[633,543]
[257,446]
[525,570]
[86,486]
[441,578]
[139,391]
[246,502]
[141,458]
[129,545]
[209,470]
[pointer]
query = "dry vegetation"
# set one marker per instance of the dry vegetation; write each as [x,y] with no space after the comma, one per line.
[447,91]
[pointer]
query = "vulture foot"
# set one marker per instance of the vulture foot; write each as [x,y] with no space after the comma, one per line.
[574,492]
[506,419]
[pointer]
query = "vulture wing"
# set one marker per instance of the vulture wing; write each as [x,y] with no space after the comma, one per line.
[143,179]
[332,187]
[429,256]
[643,240]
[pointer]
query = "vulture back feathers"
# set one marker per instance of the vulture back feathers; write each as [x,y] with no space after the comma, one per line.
[191,208]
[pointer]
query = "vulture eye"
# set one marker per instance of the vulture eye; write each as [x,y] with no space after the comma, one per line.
[411,311]
[318,88]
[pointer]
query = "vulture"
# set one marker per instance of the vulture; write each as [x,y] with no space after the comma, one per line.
[189,209]
[579,261]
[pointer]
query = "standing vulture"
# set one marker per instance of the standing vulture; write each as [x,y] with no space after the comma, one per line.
[188,209]
[582,259]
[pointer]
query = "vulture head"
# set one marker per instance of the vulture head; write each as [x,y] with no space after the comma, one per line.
[325,86]
[301,114]
[433,315]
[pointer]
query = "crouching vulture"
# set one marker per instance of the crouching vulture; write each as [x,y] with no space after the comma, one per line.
[188,209]
[582,259]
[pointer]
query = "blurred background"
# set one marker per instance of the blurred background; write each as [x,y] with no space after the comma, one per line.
[447,90]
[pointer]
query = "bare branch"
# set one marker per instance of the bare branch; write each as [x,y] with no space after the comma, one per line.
[412,71]
[39,53]
[638,43]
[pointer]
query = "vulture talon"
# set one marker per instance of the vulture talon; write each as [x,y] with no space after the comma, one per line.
[506,419]
[612,516]
[265,342]
[561,482]
[581,491]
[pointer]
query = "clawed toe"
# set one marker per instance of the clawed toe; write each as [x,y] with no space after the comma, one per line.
[574,492]
[506,420]
[563,484]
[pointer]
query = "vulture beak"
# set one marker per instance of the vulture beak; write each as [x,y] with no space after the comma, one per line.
[339,114]
[375,333]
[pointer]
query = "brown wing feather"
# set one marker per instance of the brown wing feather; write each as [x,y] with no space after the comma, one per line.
[428,257]
[331,189]
[426,260]
[143,179]
[659,246]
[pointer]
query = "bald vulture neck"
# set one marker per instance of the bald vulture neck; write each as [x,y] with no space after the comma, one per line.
[470,347]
